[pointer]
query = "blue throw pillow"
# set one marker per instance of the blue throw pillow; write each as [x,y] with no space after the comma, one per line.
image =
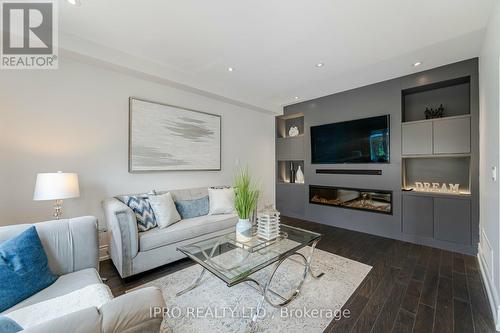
[142,209]
[192,208]
[8,325]
[24,268]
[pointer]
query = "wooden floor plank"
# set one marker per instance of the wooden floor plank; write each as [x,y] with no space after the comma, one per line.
[404,323]
[374,306]
[480,306]
[446,265]
[462,317]
[424,320]
[443,322]
[460,287]
[458,263]
[389,313]
[412,296]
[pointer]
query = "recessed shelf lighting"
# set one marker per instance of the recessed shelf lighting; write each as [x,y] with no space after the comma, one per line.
[74,2]
[296,97]
[319,64]
[418,63]
[230,69]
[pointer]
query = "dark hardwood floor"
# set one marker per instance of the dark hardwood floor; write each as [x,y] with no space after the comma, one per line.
[411,288]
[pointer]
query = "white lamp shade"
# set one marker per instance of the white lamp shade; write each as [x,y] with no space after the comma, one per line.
[56,186]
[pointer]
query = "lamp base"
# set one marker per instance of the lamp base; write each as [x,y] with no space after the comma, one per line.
[58,209]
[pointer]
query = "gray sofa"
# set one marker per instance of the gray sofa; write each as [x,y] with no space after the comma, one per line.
[71,246]
[134,252]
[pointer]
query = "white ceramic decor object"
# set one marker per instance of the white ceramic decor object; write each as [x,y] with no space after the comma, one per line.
[293,131]
[299,176]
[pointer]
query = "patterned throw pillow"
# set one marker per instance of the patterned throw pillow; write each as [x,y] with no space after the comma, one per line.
[143,211]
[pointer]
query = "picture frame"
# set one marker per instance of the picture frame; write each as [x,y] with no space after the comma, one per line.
[164,137]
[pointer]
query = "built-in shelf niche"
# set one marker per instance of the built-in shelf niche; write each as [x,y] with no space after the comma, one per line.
[453,94]
[447,170]
[283,124]
[284,171]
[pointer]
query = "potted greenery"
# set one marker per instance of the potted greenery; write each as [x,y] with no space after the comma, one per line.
[245,202]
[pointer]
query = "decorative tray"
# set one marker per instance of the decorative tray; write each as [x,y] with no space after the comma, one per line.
[256,243]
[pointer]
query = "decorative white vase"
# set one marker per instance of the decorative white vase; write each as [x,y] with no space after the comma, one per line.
[299,176]
[293,131]
[243,230]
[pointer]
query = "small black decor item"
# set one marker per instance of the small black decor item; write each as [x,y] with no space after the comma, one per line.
[292,173]
[434,113]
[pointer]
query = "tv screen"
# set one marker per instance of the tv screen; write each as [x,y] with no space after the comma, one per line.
[356,141]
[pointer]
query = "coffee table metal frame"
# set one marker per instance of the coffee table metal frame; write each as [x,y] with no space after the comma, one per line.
[263,288]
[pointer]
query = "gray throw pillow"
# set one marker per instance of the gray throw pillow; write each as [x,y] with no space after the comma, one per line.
[192,208]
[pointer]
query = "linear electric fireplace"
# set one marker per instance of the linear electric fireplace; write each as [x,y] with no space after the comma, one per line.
[377,201]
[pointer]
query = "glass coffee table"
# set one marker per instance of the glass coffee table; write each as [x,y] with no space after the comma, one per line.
[234,262]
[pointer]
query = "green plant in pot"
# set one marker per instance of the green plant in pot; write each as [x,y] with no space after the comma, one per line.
[245,202]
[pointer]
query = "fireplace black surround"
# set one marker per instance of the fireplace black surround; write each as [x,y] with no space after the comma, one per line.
[376,201]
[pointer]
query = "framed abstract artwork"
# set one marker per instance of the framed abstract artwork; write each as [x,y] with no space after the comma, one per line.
[167,138]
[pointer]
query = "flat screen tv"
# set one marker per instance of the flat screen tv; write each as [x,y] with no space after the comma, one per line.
[355,141]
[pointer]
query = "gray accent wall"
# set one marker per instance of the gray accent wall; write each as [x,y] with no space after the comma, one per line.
[381,99]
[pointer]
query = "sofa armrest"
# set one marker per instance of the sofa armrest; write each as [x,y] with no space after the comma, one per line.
[133,312]
[84,321]
[124,237]
[70,244]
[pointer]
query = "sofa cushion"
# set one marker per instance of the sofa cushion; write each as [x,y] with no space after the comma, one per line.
[192,208]
[142,209]
[24,268]
[63,285]
[94,295]
[185,229]
[164,208]
[221,200]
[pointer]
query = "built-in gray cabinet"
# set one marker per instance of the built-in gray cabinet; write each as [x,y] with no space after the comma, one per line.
[452,135]
[441,218]
[290,199]
[417,138]
[441,136]
[452,220]
[290,148]
[418,216]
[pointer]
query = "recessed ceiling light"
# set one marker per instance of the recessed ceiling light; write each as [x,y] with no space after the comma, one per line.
[230,69]
[320,64]
[418,63]
[74,2]
[296,97]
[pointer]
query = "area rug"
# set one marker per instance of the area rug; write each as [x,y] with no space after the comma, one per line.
[214,307]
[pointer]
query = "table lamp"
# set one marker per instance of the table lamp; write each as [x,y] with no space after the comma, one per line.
[56,186]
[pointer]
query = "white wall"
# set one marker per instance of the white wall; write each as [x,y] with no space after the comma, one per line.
[489,248]
[75,119]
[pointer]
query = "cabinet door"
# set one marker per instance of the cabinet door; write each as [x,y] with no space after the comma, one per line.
[452,136]
[417,138]
[290,199]
[282,149]
[296,145]
[452,220]
[290,149]
[418,216]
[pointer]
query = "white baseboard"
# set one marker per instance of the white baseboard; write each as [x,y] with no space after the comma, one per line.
[491,290]
[103,253]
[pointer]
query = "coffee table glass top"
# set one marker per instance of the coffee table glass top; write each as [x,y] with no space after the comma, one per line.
[233,263]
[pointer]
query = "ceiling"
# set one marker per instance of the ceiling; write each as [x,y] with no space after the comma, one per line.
[273,45]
